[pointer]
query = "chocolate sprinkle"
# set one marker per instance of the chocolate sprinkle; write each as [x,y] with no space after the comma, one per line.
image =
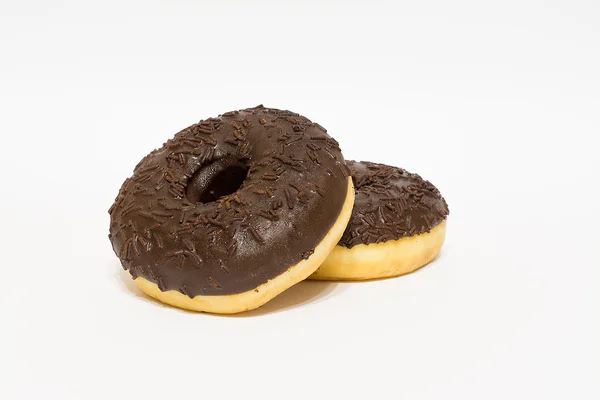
[390,203]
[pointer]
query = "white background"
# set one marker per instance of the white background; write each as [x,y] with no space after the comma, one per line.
[497,103]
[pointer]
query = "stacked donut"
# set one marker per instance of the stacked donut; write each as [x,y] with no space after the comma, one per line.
[234,210]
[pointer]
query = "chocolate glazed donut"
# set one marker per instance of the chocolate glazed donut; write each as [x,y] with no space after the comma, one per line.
[224,216]
[398,224]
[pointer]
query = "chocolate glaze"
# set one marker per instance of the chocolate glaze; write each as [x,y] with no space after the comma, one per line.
[180,222]
[390,203]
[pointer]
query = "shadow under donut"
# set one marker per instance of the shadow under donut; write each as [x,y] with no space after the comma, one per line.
[301,293]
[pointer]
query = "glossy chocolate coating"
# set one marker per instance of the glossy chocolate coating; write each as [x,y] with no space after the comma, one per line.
[390,203]
[177,223]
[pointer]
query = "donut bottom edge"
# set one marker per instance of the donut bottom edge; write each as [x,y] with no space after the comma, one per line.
[251,299]
[382,260]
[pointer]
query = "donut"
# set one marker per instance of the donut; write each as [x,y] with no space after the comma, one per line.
[398,225]
[233,210]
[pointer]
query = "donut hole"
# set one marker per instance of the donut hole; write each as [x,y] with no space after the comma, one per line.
[226,182]
[215,180]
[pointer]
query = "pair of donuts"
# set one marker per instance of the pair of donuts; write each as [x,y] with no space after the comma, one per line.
[236,209]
